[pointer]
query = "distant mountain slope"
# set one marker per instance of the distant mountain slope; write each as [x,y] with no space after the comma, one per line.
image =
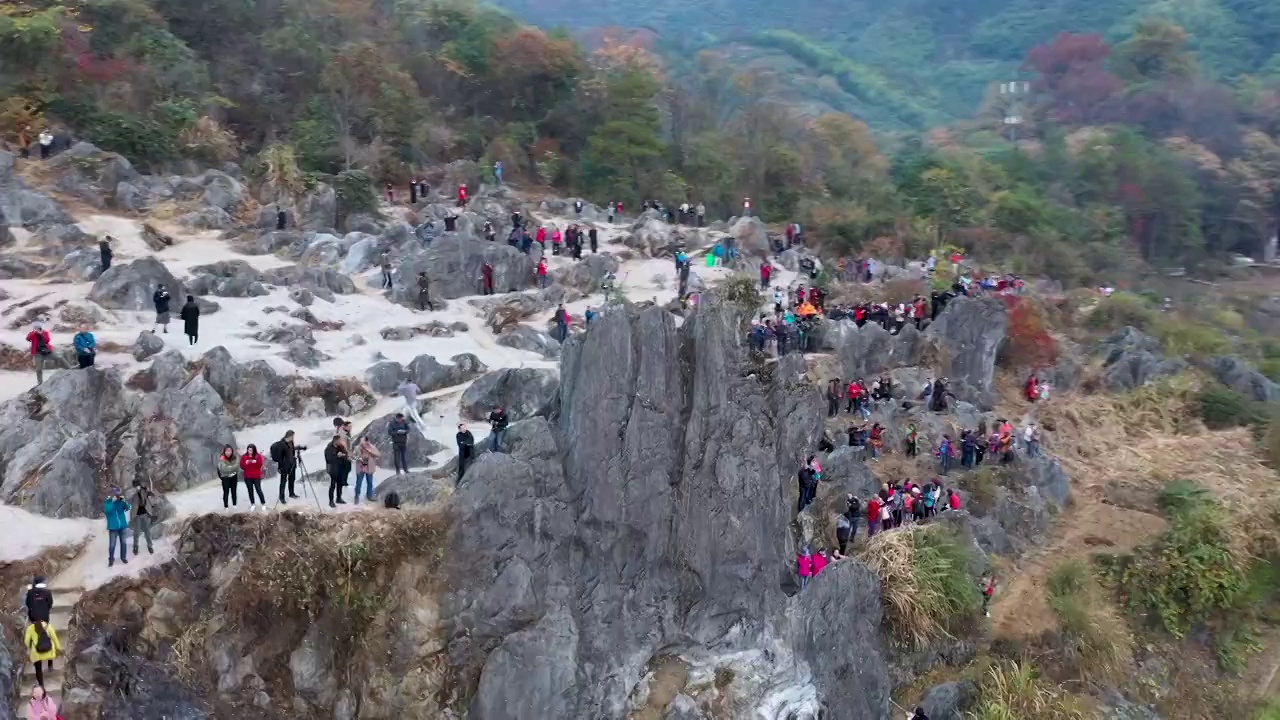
[916,63]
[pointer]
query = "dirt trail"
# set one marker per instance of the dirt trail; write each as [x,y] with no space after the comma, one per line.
[1020,608]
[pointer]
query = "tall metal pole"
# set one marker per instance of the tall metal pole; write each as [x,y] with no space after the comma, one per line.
[1011,91]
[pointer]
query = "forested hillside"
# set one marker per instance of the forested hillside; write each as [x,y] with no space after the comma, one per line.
[1151,148]
[913,63]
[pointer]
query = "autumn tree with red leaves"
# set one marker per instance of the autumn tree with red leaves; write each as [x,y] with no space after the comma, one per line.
[1071,70]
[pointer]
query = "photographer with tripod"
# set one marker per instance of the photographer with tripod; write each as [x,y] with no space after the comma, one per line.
[285,455]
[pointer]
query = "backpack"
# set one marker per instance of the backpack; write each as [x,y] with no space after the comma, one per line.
[42,345]
[43,643]
[277,452]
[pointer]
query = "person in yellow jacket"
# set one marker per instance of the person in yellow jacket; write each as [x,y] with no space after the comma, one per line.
[42,646]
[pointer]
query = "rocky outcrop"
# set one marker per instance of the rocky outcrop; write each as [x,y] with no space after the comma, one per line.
[970,333]
[65,442]
[254,393]
[147,344]
[418,449]
[665,445]
[587,275]
[23,207]
[751,236]
[58,240]
[1245,379]
[129,286]
[867,351]
[524,392]
[324,282]
[1133,359]
[504,311]
[90,174]
[430,374]
[453,265]
[523,337]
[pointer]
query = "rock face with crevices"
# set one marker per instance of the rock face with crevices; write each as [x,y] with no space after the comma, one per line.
[652,505]
[970,332]
[524,392]
[129,286]
[1133,359]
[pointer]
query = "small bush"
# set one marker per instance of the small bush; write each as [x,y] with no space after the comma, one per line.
[1190,573]
[925,584]
[1221,407]
[1182,336]
[1122,309]
[1094,638]
[1014,691]
[743,293]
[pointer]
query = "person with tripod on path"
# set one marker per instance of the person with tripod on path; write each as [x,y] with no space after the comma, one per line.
[338,464]
[285,455]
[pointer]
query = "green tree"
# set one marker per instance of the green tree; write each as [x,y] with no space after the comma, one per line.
[623,158]
[1157,51]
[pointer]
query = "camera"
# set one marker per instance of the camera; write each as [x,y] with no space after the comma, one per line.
[299,448]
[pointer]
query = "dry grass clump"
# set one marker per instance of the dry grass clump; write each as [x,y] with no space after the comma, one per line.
[1014,691]
[1095,639]
[925,584]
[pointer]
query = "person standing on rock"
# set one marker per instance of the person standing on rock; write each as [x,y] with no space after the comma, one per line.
[336,460]
[142,515]
[285,455]
[385,263]
[594,237]
[702,214]
[104,252]
[562,323]
[116,510]
[190,314]
[398,429]
[517,220]
[613,209]
[466,448]
[834,393]
[490,233]
[367,461]
[228,475]
[424,292]
[497,428]
[160,298]
[409,390]
[413,191]
[542,272]
[497,171]
[282,218]
[462,195]
[251,464]
[486,278]
[86,347]
[577,208]
[41,349]
[391,193]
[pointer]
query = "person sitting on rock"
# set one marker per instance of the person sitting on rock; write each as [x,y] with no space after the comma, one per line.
[86,347]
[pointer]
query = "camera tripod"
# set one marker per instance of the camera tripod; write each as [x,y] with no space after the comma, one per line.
[308,490]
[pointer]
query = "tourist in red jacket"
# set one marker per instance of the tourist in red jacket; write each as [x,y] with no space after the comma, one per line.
[41,348]
[251,467]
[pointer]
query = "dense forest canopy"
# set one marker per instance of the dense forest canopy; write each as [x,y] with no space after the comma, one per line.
[1145,143]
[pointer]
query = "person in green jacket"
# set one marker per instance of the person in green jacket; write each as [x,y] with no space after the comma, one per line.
[116,508]
[229,474]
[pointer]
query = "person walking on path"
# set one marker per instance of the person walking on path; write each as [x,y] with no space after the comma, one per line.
[424,292]
[409,390]
[251,468]
[497,428]
[367,461]
[104,252]
[160,298]
[285,455]
[386,271]
[190,314]
[988,590]
[562,323]
[398,429]
[140,498]
[41,349]
[116,509]
[229,475]
[41,706]
[39,600]
[466,448]
[86,347]
[42,647]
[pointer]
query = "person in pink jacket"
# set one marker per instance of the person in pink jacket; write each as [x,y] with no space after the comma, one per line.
[819,562]
[42,706]
[804,565]
[557,241]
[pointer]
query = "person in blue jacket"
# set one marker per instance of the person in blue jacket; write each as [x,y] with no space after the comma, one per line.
[116,508]
[86,347]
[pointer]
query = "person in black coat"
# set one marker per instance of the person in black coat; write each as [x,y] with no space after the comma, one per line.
[466,448]
[190,315]
[282,218]
[593,236]
[39,600]
[104,251]
[338,463]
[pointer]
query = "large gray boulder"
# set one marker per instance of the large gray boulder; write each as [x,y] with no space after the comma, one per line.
[949,700]
[384,377]
[89,173]
[588,274]
[1244,378]
[751,236]
[453,264]
[23,207]
[227,278]
[1133,359]
[129,286]
[970,333]
[147,344]
[255,394]
[65,442]
[318,209]
[523,337]
[502,311]
[58,240]
[324,282]
[651,235]
[418,449]
[430,374]
[524,392]
[867,351]
[666,443]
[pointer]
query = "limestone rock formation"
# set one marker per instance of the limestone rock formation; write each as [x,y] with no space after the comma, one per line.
[1245,379]
[254,393]
[523,337]
[524,392]
[970,332]
[751,236]
[1134,359]
[147,344]
[867,351]
[129,286]
[453,265]
[23,207]
[418,449]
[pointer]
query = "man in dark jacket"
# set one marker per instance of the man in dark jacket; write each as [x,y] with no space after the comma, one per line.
[39,600]
[338,463]
[562,323]
[160,298]
[104,250]
[424,292]
[466,448]
[282,219]
[285,455]
[497,428]
[808,488]
[190,315]
[595,240]
[398,429]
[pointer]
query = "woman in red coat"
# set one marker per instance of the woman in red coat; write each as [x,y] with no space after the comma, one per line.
[251,467]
